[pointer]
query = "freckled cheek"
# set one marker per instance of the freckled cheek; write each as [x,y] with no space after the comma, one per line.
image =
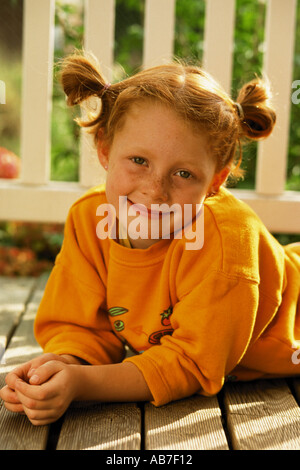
[116,185]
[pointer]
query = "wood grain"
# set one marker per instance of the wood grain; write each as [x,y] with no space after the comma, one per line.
[262,415]
[192,423]
[16,431]
[101,427]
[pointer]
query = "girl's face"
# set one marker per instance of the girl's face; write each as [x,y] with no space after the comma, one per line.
[155,158]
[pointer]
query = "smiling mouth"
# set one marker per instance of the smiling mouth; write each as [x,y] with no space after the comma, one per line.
[151,213]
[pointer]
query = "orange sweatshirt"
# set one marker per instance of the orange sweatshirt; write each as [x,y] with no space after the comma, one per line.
[194,317]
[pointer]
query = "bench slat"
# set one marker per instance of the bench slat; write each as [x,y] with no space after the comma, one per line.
[14,294]
[296,385]
[101,427]
[262,415]
[16,431]
[191,424]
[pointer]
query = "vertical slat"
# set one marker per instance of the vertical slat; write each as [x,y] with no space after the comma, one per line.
[38,45]
[218,40]
[99,27]
[278,67]
[159,32]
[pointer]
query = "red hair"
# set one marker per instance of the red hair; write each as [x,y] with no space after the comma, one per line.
[188,90]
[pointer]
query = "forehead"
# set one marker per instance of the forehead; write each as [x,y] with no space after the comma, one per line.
[154,130]
[149,117]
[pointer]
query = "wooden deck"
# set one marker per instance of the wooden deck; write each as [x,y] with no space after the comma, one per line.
[255,415]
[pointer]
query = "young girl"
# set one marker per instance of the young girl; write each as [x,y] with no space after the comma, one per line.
[225,309]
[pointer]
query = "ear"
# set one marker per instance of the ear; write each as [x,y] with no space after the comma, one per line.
[102,151]
[218,180]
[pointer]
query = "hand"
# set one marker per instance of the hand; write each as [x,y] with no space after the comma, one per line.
[24,372]
[49,392]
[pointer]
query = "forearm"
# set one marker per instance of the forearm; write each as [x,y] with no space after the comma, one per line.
[110,383]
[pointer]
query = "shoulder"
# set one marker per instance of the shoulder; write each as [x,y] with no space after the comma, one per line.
[93,195]
[235,240]
[227,210]
[246,242]
[87,204]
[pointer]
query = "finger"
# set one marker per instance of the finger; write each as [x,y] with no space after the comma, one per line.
[8,395]
[41,417]
[42,392]
[45,372]
[19,372]
[16,408]
[33,404]
[43,359]
[43,421]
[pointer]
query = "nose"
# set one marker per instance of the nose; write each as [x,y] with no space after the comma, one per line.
[157,189]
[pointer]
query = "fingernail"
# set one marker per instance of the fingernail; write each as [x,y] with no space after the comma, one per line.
[34,379]
[30,372]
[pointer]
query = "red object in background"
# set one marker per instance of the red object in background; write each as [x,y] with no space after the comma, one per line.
[9,164]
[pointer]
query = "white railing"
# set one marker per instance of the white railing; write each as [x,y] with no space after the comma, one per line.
[35,198]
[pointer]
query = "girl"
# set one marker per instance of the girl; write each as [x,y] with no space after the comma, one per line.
[226,309]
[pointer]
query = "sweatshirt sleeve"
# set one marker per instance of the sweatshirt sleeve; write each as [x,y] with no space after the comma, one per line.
[211,335]
[72,317]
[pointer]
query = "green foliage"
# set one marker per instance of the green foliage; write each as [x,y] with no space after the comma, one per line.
[189,30]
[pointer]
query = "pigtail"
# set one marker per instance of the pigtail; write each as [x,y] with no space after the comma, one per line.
[81,79]
[257,117]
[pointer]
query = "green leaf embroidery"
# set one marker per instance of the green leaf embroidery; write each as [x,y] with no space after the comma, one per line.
[119,325]
[113,311]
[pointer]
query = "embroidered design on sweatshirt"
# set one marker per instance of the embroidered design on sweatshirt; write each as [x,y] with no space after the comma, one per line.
[155,337]
[115,311]
[165,316]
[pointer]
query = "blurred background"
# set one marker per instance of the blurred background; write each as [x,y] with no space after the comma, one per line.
[29,249]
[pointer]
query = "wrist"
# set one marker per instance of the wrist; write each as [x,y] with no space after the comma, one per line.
[83,389]
[72,359]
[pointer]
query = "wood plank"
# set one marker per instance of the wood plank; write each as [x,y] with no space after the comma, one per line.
[279,214]
[45,203]
[23,346]
[16,431]
[296,386]
[262,415]
[191,424]
[14,294]
[98,426]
